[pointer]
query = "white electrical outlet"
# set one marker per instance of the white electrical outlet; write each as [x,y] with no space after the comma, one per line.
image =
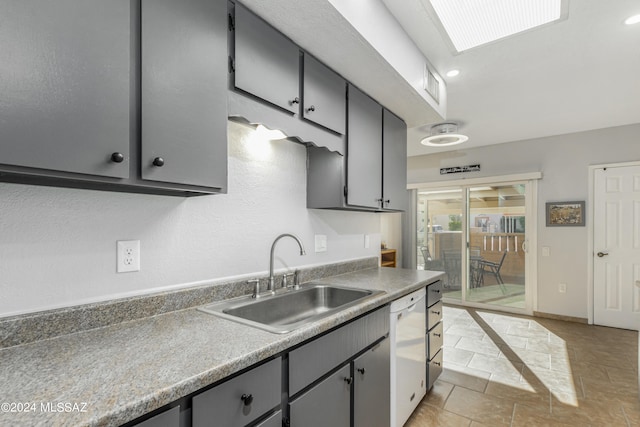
[128,255]
[562,288]
[321,243]
[546,251]
[367,241]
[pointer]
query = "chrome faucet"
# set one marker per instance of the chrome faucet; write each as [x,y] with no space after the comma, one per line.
[271,286]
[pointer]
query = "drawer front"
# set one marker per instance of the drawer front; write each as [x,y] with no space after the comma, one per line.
[168,418]
[434,293]
[435,340]
[434,315]
[311,361]
[434,369]
[224,405]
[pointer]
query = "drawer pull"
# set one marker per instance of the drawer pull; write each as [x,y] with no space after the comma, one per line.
[247,399]
[437,363]
[437,291]
[117,157]
[361,370]
[437,335]
[158,161]
[435,312]
[348,380]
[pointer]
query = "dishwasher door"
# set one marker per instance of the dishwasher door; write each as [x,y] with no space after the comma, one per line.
[408,355]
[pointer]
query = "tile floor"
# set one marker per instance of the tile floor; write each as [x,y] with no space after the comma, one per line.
[508,370]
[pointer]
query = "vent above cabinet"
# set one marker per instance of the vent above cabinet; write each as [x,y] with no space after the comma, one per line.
[431,84]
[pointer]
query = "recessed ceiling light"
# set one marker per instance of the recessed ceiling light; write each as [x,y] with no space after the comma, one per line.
[453,73]
[444,135]
[472,23]
[632,20]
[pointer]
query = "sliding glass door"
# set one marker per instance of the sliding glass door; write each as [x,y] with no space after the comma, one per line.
[477,236]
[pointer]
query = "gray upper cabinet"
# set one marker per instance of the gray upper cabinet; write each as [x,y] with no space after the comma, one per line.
[324,95]
[364,150]
[266,62]
[65,85]
[394,162]
[184,124]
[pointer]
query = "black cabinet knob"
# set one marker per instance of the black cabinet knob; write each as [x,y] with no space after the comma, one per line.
[295,100]
[312,108]
[117,157]
[247,399]
[158,161]
[361,370]
[348,380]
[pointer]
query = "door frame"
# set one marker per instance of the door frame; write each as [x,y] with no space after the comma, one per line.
[591,209]
[531,212]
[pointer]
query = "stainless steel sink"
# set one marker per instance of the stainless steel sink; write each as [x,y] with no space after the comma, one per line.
[287,311]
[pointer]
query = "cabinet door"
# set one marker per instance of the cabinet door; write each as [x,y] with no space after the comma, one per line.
[65,85]
[364,150]
[326,404]
[371,402]
[394,162]
[184,91]
[324,95]
[267,63]
[240,400]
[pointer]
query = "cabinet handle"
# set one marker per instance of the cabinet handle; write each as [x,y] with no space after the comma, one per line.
[437,363]
[310,109]
[158,161]
[247,399]
[437,335]
[437,291]
[435,312]
[295,100]
[386,202]
[117,157]
[348,380]
[361,370]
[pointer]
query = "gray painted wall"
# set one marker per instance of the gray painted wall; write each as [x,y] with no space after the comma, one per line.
[58,245]
[563,161]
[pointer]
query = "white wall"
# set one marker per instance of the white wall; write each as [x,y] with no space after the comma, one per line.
[58,246]
[564,161]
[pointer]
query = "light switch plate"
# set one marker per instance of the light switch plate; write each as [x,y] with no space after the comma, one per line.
[321,243]
[128,256]
[545,251]
[367,241]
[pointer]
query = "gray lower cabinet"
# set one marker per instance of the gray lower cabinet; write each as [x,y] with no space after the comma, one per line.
[364,150]
[242,399]
[184,87]
[435,332]
[394,162]
[324,93]
[266,63]
[65,85]
[325,404]
[168,418]
[371,402]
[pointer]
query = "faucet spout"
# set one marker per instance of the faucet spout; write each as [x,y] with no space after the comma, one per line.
[273,248]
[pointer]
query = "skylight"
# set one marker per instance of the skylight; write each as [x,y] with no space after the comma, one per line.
[471,23]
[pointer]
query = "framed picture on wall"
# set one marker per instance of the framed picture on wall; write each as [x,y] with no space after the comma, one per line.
[565,214]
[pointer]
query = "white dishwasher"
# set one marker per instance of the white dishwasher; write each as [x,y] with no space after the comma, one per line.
[408,355]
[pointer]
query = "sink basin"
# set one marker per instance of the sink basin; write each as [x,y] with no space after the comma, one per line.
[285,312]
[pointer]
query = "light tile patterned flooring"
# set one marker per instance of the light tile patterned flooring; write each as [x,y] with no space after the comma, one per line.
[508,370]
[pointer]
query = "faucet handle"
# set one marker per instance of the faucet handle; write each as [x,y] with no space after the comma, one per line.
[296,279]
[256,289]
[285,281]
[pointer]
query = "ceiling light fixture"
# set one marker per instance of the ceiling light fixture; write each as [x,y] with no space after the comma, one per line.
[632,20]
[453,73]
[444,135]
[472,23]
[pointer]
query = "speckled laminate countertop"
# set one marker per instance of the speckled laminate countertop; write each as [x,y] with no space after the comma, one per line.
[112,375]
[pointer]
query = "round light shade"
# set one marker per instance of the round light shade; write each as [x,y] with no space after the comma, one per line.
[444,135]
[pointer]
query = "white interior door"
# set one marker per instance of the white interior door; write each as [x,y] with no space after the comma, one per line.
[616,264]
